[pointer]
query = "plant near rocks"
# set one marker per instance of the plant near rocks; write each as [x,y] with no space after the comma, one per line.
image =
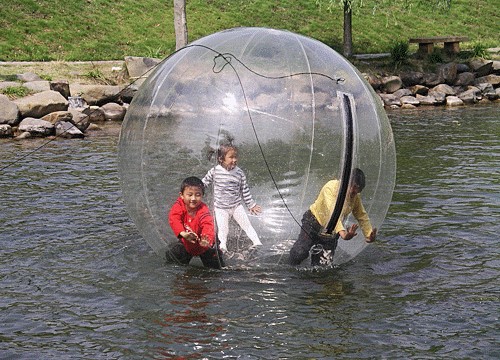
[15,92]
[479,50]
[400,53]
[435,57]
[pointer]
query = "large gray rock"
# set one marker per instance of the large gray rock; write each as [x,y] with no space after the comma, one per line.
[113,111]
[490,79]
[7,84]
[37,86]
[95,114]
[62,87]
[465,79]
[6,131]
[28,76]
[427,100]
[470,96]
[390,100]
[391,83]
[411,78]
[447,72]
[419,89]
[96,94]
[452,101]
[409,100]
[41,104]
[56,116]
[36,127]
[431,79]
[443,88]
[79,119]
[9,113]
[68,130]
[139,68]
[481,67]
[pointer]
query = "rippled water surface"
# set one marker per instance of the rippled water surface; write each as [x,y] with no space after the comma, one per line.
[77,280]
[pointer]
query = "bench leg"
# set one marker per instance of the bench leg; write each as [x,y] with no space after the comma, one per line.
[452,47]
[425,48]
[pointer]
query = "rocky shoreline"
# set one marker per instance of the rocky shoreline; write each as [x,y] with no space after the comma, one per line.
[68,109]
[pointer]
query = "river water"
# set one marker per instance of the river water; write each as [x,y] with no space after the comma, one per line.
[77,280]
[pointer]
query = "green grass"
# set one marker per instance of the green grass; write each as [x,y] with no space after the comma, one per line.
[42,30]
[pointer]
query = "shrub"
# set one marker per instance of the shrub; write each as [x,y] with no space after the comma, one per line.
[435,56]
[400,53]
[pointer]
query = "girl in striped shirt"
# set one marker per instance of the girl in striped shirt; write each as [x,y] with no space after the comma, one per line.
[230,190]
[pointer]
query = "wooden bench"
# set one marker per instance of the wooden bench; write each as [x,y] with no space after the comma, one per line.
[451,43]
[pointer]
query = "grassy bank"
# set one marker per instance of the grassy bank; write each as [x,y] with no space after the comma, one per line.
[82,30]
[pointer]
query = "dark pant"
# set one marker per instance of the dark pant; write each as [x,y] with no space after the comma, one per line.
[212,258]
[321,247]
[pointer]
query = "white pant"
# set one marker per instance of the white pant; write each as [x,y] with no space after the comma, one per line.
[222,217]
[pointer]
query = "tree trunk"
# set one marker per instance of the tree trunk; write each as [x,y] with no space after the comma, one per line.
[180,24]
[347,28]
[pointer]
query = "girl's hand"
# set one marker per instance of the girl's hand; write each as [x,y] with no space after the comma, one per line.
[256,210]
[372,236]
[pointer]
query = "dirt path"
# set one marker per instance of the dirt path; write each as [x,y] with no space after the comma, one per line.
[83,72]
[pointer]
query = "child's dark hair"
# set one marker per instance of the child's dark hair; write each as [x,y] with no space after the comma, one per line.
[358,178]
[192,181]
[223,150]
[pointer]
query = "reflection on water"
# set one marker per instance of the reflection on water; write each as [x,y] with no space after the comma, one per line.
[79,282]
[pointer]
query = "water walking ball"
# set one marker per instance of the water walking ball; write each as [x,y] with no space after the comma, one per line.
[297,111]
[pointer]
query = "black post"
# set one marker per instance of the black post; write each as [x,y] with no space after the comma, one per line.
[346,171]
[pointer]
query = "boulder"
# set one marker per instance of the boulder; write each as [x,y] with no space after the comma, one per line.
[470,96]
[390,100]
[447,72]
[409,100]
[443,88]
[96,94]
[439,97]
[481,67]
[462,68]
[402,92]
[62,87]
[411,78]
[9,113]
[95,114]
[419,89]
[465,79]
[36,127]
[28,76]
[68,130]
[56,116]
[431,79]
[426,100]
[5,131]
[113,111]
[79,119]
[7,84]
[139,68]
[391,83]
[373,80]
[41,104]
[452,101]
[37,86]
[490,79]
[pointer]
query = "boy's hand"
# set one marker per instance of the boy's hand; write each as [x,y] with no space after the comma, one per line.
[350,233]
[189,236]
[372,236]
[204,241]
[256,210]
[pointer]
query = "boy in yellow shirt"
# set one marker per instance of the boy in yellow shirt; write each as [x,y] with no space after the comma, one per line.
[322,246]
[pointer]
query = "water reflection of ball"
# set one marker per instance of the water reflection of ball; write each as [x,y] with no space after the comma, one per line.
[278,96]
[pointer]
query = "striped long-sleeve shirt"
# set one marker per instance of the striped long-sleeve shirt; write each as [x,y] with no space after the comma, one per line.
[230,187]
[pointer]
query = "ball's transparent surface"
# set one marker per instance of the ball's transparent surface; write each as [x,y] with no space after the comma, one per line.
[277,96]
